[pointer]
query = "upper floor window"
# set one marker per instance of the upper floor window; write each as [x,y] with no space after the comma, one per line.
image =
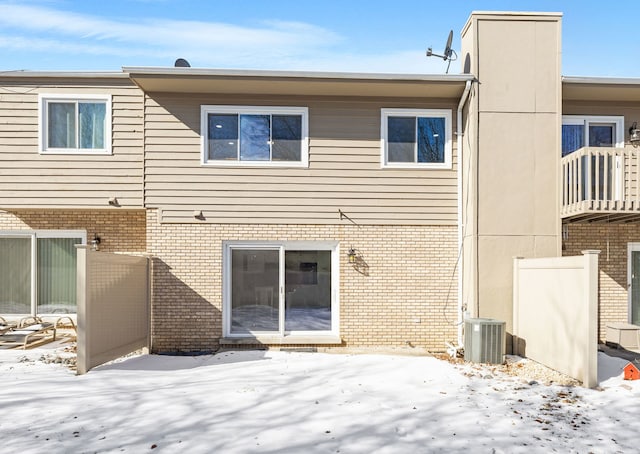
[416,138]
[591,131]
[75,124]
[233,135]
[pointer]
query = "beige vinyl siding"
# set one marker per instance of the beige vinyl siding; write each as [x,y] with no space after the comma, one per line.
[33,180]
[344,170]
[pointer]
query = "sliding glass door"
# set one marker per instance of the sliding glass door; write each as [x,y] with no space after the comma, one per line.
[56,274]
[255,286]
[285,288]
[15,275]
[307,291]
[38,272]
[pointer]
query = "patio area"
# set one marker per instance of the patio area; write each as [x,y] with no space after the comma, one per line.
[277,401]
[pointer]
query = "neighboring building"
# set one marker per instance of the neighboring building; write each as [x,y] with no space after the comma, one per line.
[321,208]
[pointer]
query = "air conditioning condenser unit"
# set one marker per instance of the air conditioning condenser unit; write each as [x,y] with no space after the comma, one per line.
[484,340]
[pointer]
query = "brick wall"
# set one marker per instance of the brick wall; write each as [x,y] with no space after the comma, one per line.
[402,291]
[119,230]
[611,240]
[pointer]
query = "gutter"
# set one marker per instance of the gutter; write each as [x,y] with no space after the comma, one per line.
[65,74]
[600,80]
[460,142]
[137,71]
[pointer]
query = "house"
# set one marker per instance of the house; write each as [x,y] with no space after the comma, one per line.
[309,208]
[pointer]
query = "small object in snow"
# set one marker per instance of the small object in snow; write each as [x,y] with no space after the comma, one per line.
[154,446]
[631,372]
[327,431]
[533,382]
[488,377]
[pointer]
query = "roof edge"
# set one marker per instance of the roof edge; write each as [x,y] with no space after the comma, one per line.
[171,71]
[54,74]
[601,80]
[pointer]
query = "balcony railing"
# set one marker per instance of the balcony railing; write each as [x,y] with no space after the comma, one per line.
[601,181]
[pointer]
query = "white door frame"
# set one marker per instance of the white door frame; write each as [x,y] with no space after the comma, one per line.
[33,235]
[281,246]
[631,247]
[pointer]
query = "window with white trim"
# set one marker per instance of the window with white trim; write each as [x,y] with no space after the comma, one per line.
[75,124]
[419,138]
[580,131]
[263,136]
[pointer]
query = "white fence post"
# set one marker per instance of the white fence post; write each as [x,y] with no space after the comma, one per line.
[590,379]
[82,363]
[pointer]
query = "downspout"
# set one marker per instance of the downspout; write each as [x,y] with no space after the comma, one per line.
[460,143]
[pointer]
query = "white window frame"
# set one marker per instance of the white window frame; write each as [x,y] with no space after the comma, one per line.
[618,122]
[43,124]
[586,120]
[427,113]
[34,235]
[205,110]
[282,246]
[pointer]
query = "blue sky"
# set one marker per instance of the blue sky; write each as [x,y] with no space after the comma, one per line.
[327,35]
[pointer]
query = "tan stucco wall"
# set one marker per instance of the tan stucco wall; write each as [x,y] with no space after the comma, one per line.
[611,240]
[513,199]
[403,293]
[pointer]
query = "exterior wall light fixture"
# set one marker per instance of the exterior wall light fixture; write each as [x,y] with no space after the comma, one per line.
[634,134]
[352,255]
[95,243]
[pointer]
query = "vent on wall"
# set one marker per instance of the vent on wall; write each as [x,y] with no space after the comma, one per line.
[484,340]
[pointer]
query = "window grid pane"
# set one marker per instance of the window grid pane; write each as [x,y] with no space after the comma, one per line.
[601,135]
[286,141]
[572,138]
[255,137]
[91,119]
[431,139]
[401,139]
[61,125]
[223,136]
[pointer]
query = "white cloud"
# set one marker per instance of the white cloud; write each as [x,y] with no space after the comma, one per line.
[270,45]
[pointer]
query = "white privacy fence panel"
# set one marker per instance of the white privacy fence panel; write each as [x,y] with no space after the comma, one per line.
[113,306]
[555,313]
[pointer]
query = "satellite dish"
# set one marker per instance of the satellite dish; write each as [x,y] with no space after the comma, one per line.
[448,55]
[181,63]
[447,48]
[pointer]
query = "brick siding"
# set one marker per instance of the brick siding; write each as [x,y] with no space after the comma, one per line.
[119,230]
[611,240]
[402,291]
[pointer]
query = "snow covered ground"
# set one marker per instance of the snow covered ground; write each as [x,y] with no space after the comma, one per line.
[275,402]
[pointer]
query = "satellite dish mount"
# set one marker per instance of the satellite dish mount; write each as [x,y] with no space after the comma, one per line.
[448,55]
